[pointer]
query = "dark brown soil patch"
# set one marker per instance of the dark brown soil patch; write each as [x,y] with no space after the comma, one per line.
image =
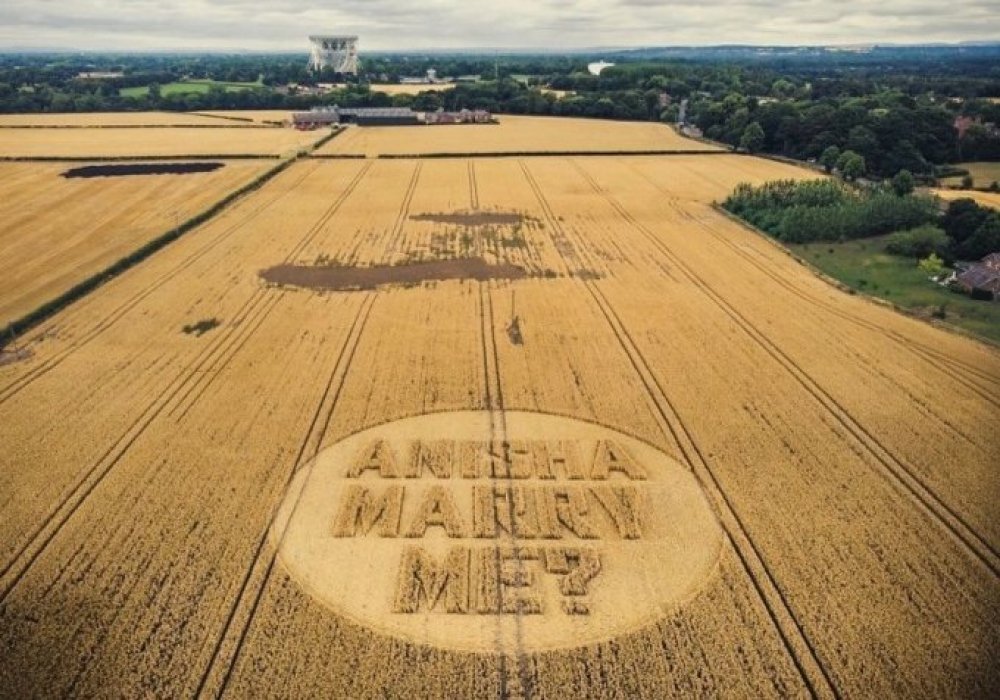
[473,218]
[201,327]
[9,357]
[336,278]
[141,169]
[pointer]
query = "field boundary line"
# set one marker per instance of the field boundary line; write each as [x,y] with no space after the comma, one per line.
[128,158]
[139,126]
[799,647]
[912,345]
[14,570]
[18,326]
[928,353]
[215,370]
[226,651]
[19,383]
[896,470]
[248,319]
[953,373]
[515,154]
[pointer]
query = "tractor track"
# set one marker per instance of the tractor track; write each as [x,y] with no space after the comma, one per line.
[222,662]
[897,471]
[961,372]
[248,318]
[213,372]
[800,649]
[19,383]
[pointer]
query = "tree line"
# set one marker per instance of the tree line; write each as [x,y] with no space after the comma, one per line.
[829,210]
[896,115]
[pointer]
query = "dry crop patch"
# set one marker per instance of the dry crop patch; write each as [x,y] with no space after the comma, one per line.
[339,278]
[473,218]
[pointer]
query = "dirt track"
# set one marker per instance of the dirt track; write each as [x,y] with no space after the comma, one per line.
[847,453]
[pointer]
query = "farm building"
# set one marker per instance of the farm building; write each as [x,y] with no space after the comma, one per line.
[316,117]
[465,116]
[380,116]
[384,116]
[982,278]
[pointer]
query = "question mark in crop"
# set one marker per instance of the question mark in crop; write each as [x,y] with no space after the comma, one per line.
[578,567]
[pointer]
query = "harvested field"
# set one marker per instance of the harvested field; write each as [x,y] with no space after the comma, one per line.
[162,142]
[259,116]
[982,174]
[695,469]
[58,231]
[108,119]
[513,135]
[411,89]
[986,199]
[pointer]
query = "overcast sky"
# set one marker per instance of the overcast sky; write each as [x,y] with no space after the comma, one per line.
[283,25]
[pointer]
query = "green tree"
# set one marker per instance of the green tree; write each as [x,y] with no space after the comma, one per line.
[851,165]
[829,158]
[903,183]
[985,240]
[918,242]
[932,265]
[753,138]
[967,182]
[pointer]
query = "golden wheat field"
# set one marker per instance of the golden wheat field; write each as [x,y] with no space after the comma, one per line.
[410,89]
[109,119]
[986,199]
[152,142]
[256,115]
[496,427]
[57,231]
[514,135]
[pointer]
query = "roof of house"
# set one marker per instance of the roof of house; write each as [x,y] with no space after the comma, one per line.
[980,276]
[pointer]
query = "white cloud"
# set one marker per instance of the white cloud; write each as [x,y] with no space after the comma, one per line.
[551,24]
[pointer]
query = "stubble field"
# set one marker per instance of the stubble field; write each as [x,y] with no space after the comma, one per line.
[514,135]
[410,89]
[670,388]
[151,142]
[108,119]
[986,199]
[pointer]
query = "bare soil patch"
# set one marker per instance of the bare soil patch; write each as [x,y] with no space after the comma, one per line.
[119,170]
[473,218]
[342,278]
[9,357]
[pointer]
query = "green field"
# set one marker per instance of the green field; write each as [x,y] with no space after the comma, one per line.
[983,174]
[865,266]
[187,87]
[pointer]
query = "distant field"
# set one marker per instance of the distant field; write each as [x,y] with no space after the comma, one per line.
[982,174]
[57,232]
[256,115]
[106,119]
[864,265]
[411,89]
[513,135]
[986,199]
[153,142]
[189,87]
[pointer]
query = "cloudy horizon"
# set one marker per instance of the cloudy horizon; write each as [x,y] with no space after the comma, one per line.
[283,25]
